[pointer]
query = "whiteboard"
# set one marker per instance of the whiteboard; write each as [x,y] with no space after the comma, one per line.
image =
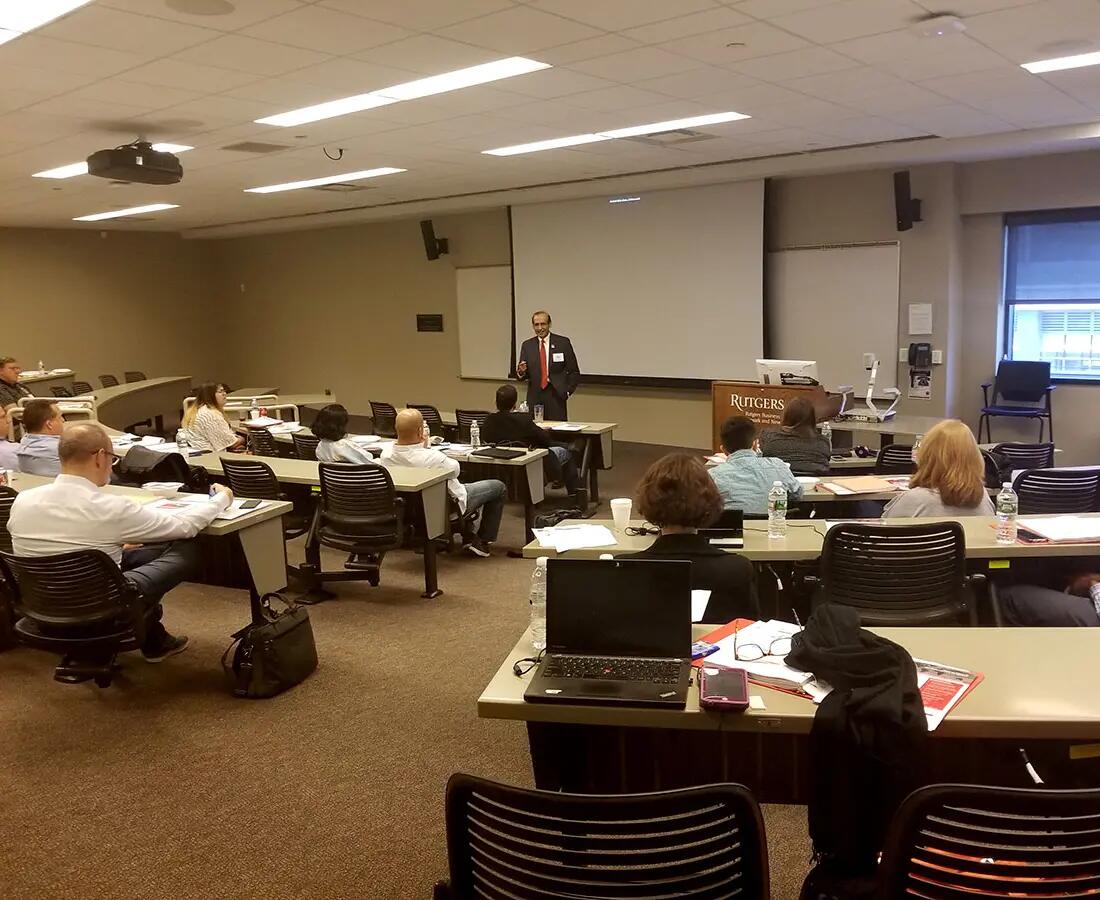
[484,321]
[833,305]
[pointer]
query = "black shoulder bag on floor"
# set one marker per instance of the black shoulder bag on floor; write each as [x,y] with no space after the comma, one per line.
[268,657]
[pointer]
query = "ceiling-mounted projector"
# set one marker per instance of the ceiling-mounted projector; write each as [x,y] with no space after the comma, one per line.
[137,162]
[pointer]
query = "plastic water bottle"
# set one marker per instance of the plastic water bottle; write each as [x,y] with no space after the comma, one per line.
[827,433]
[42,367]
[777,510]
[475,436]
[916,446]
[1008,505]
[538,604]
[183,442]
[426,433]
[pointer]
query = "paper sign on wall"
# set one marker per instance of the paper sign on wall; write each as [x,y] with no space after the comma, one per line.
[920,384]
[920,318]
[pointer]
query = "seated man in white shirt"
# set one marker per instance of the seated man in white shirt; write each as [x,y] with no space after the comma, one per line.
[411,449]
[73,513]
[42,425]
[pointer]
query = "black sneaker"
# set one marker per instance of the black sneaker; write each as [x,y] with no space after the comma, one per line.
[170,647]
[477,547]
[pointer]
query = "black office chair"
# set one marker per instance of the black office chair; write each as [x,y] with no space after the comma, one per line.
[1024,389]
[81,387]
[383,419]
[60,391]
[505,841]
[305,445]
[466,418]
[898,574]
[131,377]
[895,459]
[1058,490]
[79,606]
[8,613]
[952,841]
[262,442]
[254,479]
[1026,456]
[360,514]
[431,416]
[108,381]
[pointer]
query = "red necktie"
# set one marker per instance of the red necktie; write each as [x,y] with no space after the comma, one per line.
[542,362]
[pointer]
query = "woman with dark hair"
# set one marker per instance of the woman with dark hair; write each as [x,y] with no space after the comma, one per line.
[206,422]
[331,426]
[798,443]
[678,496]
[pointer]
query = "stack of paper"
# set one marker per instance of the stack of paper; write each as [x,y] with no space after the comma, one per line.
[182,501]
[285,428]
[770,670]
[941,688]
[567,426]
[1064,528]
[562,538]
[860,484]
[368,439]
[262,422]
[132,440]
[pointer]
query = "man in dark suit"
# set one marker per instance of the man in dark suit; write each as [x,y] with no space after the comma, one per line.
[549,366]
[508,426]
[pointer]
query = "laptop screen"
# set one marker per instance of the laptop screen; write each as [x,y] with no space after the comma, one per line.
[623,607]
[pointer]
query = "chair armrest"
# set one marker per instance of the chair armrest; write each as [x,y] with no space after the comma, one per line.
[986,385]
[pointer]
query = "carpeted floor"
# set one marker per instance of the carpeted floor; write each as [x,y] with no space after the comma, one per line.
[165,786]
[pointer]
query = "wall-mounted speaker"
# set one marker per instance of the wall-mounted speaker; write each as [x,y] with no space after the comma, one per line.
[906,207]
[434,247]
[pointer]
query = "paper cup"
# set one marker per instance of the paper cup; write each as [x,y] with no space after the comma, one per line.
[620,512]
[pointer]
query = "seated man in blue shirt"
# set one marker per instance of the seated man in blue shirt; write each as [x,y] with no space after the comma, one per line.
[745,478]
[42,425]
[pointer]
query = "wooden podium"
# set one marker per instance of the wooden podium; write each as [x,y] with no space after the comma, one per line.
[764,403]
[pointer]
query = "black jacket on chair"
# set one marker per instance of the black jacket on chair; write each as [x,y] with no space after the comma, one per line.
[730,578]
[517,428]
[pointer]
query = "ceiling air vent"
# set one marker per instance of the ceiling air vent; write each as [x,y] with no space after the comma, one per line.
[342,187]
[256,147]
[673,138]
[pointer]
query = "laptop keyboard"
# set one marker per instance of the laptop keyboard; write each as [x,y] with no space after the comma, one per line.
[657,671]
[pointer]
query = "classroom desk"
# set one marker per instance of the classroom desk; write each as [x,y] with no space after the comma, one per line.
[429,486]
[1025,696]
[260,533]
[41,384]
[805,538]
[598,453]
[124,404]
[900,424]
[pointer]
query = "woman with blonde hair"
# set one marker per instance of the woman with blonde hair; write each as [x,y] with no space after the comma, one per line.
[950,477]
[206,423]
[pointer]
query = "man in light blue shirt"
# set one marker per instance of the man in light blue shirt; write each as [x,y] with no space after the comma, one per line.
[42,425]
[744,479]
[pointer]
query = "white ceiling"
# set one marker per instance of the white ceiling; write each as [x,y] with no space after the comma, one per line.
[812,74]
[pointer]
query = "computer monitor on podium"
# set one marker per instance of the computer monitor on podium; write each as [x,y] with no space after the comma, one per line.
[787,371]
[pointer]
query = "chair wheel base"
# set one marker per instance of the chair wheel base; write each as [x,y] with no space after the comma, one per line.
[314,596]
[431,595]
[70,671]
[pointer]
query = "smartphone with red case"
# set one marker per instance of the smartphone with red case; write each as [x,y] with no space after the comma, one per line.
[723,689]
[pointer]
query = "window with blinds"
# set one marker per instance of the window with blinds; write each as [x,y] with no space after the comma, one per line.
[1052,291]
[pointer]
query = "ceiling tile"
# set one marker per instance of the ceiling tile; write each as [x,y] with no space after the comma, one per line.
[102,27]
[287,92]
[245,12]
[955,120]
[621,96]
[589,48]
[345,76]
[84,111]
[972,7]
[419,15]
[808,112]
[134,95]
[788,66]
[550,83]
[176,73]
[702,82]
[326,30]
[616,15]
[245,54]
[867,129]
[1040,30]
[428,54]
[914,58]
[865,89]
[773,9]
[41,82]
[686,26]
[1013,95]
[633,65]
[748,42]
[851,19]
[65,56]
[1081,84]
[518,30]
[223,109]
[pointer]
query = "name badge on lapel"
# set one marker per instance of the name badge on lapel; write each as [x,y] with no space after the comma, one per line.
[558,357]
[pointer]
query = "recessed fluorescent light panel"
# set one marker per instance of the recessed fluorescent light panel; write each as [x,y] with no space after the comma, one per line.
[81,168]
[633,131]
[132,211]
[624,200]
[1062,62]
[22,16]
[328,179]
[411,90]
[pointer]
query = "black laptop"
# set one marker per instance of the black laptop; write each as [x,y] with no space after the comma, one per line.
[728,531]
[617,631]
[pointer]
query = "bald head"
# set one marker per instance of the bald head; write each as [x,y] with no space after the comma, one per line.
[410,427]
[82,440]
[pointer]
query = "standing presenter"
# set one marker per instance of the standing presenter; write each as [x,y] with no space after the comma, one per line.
[549,366]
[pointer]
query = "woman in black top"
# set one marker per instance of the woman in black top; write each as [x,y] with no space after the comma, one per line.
[798,442]
[678,495]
